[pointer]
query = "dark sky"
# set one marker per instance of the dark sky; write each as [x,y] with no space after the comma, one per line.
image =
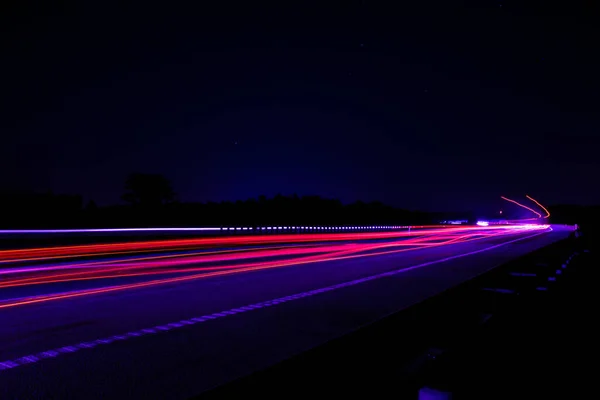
[444,105]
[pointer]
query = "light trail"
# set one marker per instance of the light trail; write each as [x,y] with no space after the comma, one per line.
[58,351]
[128,264]
[38,254]
[247,268]
[164,265]
[91,264]
[174,243]
[257,252]
[187,260]
[541,206]
[96,249]
[198,258]
[523,206]
[111,230]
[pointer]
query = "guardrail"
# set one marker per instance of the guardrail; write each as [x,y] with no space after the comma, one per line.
[254,229]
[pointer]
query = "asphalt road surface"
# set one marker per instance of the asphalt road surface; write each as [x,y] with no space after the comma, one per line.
[73,339]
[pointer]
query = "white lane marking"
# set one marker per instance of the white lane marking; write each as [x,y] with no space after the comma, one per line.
[33,358]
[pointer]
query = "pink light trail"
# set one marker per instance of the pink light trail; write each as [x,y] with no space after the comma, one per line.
[200,265]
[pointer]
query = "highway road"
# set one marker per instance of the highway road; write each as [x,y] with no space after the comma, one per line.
[174,318]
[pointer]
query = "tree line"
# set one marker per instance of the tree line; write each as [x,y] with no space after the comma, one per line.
[149,200]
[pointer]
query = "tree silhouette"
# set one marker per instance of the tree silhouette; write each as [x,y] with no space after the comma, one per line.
[148,190]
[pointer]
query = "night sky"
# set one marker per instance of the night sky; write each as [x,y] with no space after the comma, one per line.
[440,106]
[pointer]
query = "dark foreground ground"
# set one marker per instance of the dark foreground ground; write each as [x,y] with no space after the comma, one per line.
[532,336]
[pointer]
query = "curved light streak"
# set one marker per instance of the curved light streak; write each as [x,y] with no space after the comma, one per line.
[523,206]
[541,206]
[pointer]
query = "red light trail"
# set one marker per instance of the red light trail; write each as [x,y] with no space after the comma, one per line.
[9,256]
[523,206]
[541,206]
[200,258]
[200,265]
